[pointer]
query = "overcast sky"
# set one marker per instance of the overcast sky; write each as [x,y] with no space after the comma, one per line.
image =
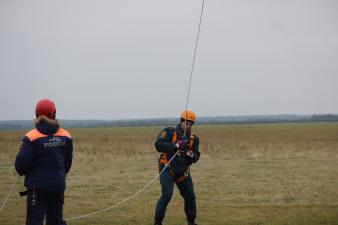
[121,59]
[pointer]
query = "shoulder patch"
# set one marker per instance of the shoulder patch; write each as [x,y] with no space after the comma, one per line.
[163,134]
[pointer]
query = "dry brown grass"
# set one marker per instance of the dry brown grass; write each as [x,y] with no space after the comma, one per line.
[247,174]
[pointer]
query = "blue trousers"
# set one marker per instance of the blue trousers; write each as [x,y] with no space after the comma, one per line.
[186,189]
[42,203]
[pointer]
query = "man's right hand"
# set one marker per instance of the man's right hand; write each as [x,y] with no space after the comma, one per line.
[181,145]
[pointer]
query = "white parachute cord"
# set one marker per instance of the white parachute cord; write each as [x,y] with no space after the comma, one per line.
[166,165]
[193,61]
[9,194]
[195,53]
[127,199]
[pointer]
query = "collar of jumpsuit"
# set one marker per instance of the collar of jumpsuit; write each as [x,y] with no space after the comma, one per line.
[47,129]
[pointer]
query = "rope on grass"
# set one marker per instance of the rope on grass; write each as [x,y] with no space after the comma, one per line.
[125,200]
[9,194]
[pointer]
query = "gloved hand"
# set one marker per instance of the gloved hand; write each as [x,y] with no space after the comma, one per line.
[181,145]
[190,154]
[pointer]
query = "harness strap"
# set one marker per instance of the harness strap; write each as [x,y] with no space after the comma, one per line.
[181,178]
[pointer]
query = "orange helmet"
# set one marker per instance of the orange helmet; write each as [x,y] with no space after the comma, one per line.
[188,115]
[46,108]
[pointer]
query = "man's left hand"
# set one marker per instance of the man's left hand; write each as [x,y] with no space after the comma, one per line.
[190,154]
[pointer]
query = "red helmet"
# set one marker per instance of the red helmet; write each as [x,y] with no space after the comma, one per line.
[46,108]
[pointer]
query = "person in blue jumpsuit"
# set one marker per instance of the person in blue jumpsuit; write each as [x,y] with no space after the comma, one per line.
[182,141]
[45,158]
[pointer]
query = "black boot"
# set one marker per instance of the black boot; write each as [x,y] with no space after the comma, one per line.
[191,220]
[158,221]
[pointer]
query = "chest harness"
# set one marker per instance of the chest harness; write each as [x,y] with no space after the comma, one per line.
[164,157]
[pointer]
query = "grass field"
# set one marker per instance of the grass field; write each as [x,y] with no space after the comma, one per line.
[274,174]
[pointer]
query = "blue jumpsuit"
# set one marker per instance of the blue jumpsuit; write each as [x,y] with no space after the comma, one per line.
[45,157]
[177,172]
